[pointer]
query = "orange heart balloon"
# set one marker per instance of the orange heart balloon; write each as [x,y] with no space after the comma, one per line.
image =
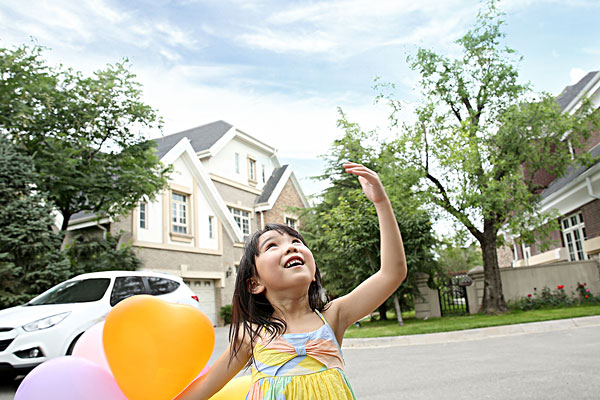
[154,348]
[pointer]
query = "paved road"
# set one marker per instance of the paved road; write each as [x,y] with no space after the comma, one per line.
[548,365]
[557,364]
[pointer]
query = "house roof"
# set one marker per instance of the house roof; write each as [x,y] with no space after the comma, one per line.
[571,92]
[271,184]
[572,174]
[201,138]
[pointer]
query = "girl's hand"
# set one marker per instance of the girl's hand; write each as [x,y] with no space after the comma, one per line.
[369,180]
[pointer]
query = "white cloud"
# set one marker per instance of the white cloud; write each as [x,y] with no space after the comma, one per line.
[63,23]
[281,42]
[342,29]
[297,127]
[576,74]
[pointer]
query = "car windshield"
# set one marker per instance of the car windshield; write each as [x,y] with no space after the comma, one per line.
[81,291]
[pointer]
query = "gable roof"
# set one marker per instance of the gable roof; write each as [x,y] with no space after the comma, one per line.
[572,174]
[571,93]
[274,187]
[201,137]
[269,187]
[184,150]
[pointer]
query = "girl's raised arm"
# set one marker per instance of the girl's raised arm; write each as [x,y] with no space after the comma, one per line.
[221,372]
[376,289]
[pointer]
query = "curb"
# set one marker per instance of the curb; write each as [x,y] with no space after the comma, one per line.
[471,334]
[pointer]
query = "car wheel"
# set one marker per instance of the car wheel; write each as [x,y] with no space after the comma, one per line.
[72,345]
[7,378]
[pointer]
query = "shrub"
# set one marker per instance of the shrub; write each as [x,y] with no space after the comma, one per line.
[226,313]
[554,298]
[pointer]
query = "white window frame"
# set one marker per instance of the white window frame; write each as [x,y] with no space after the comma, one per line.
[263,173]
[242,218]
[252,170]
[143,215]
[515,251]
[291,222]
[180,213]
[526,248]
[573,231]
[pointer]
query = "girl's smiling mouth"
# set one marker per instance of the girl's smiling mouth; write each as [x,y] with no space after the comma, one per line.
[294,261]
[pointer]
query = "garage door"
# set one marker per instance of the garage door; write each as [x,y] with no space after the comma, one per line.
[205,290]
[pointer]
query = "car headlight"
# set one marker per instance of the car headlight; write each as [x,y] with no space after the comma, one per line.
[45,323]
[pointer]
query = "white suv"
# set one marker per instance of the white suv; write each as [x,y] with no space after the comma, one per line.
[49,325]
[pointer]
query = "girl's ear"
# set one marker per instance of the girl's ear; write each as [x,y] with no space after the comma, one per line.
[314,279]
[255,287]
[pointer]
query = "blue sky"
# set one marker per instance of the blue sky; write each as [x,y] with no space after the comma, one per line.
[279,70]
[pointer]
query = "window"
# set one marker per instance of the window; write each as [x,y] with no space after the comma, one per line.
[515,251]
[263,173]
[251,170]
[142,215]
[82,291]
[242,218]
[160,286]
[237,163]
[526,251]
[291,222]
[574,235]
[211,227]
[179,210]
[125,287]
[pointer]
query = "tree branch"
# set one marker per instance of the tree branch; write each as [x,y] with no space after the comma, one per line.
[446,205]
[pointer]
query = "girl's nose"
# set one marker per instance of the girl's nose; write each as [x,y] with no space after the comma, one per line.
[291,249]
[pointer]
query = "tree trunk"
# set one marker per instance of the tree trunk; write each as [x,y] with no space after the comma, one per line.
[398,310]
[66,217]
[382,312]
[493,298]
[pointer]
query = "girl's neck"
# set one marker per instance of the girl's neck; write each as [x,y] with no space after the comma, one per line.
[290,308]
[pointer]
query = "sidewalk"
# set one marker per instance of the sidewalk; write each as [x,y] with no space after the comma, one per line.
[471,334]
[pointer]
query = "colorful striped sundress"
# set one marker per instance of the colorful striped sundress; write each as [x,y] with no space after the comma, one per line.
[298,366]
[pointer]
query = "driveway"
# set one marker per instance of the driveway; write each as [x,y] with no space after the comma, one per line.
[555,364]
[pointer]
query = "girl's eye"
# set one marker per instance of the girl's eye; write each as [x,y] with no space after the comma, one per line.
[296,241]
[269,246]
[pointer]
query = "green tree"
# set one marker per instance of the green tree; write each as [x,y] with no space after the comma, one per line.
[30,256]
[92,254]
[85,134]
[455,256]
[343,230]
[480,137]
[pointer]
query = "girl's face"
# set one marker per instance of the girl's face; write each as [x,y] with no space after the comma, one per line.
[283,262]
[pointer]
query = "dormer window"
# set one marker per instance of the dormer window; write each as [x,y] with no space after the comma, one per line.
[251,170]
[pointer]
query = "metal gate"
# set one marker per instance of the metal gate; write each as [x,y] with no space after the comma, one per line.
[453,296]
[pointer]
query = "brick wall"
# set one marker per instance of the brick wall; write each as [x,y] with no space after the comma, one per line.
[591,218]
[288,198]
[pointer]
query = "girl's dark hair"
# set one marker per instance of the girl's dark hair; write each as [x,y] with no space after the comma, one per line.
[251,313]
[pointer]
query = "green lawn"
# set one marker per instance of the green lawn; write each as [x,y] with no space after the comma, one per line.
[413,326]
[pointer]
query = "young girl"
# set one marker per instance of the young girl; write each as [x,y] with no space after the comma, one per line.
[282,324]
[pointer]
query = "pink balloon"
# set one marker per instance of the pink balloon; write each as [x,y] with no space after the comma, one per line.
[90,346]
[69,378]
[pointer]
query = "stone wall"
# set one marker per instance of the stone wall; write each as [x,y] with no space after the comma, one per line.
[516,283]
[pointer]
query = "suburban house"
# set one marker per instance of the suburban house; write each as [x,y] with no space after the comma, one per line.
[576,197]
[225,184]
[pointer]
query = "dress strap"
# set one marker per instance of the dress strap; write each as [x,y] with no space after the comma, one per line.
[321,316]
